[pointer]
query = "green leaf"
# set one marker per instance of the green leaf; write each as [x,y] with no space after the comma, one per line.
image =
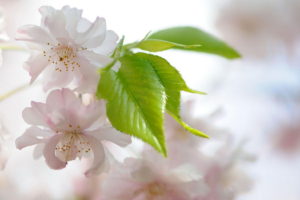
[173,83]
[168,75]
[154,45]
[136,100]
[194,36]
[187,127]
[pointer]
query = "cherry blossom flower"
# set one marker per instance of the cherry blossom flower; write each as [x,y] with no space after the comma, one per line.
[87,188]
[190,172]
[244,23]
[217,177]
[64,129]
[152,177]
[287,138]
[67,48]
[218,159]
[224,174]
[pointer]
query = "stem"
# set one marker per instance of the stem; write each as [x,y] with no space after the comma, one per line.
[135,44]
[12,92]
[131,45]
[11,46]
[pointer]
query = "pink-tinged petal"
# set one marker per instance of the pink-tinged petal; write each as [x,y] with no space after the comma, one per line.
[87,78]
[194,188]
[75,147]
[99,164]
[94,35]
[49,153]
[36,34]
[63,98]
[73,17]
[55,79]
[82,26]
[32,135]
[64,107]
[54,21]
[90,114]
[35,65]
[95,58]
[109,44]
[38,151]
[46,11]
[36,114]
[111,135]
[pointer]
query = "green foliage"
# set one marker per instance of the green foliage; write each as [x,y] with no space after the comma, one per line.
[173,83]
[154,45]
[135,101]
[146,86]
[202,41]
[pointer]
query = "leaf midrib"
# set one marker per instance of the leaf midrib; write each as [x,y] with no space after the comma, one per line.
[160,80]
[122,79]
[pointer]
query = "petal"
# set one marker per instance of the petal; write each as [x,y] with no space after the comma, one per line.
[36,34]
[110,134]
[87,78]
[90,114]
[46,11]
[195,188]
[36,114]
[143,174]
[56,79]
[82,26]
[49,153]
[64,107]
[94,35]
[54,21]
[71,152]
[95,58]
[32,135]
[109,43]
[63,98]
[99,164]
[73,16]
[38,151]
[35,65]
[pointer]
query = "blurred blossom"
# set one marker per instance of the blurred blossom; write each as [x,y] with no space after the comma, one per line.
[152,177]
[67,48]
[219,158]
[3,36]
[175,132]
[287,137]
[261,28]
[4,146]
[189,172]
[69,131]
[87,188]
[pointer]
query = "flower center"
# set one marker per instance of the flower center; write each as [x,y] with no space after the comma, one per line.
[73,144]
[151,190]
[155,189]
[63,57]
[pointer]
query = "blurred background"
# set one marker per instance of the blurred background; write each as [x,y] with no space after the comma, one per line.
[255,98]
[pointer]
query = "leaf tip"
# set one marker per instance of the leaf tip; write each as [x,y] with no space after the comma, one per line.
[161,147]
[235,54]
[194,91]
[165,153]
[197,132]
